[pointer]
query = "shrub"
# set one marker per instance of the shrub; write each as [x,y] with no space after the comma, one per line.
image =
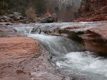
[3,7]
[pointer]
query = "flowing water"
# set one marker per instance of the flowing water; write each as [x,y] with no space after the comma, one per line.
[67,55]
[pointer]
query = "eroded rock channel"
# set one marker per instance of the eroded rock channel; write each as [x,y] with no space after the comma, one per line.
[53,56]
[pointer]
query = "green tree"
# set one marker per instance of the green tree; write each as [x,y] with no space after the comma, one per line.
[40,6]
[3,7]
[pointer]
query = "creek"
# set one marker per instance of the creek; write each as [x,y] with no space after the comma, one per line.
[66,55]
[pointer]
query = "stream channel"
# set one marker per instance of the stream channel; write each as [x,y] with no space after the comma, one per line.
[68,57]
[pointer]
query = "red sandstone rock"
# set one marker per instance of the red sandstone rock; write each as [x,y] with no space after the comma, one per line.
[21,59]
[17,49]
[95,43]
[15,54]
[102,31]
[92,36]
[46,15]
[95,39]
[93,10]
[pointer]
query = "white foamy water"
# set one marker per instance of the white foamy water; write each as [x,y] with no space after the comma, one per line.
[85,64]
[56,45]
[79,63]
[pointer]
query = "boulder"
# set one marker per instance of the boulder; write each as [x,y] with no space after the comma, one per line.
[36,30]
[46,15]
[4,19]
[17,13]
[17,16]
[49,19]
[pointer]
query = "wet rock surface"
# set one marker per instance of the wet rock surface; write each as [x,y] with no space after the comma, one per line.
[92,36]
[23,59]
[8,32]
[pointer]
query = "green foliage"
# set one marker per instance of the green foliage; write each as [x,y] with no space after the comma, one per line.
[2,12]
[3,7]
[21,6]
[40,6]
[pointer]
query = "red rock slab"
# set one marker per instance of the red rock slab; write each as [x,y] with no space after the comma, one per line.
[17,49]
[95,39]
[102,31]
[21,59]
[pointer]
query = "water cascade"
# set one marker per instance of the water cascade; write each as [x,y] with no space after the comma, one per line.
[67,55]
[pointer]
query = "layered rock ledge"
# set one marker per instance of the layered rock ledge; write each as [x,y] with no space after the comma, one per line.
[92,36]
[95,39]
[21,58]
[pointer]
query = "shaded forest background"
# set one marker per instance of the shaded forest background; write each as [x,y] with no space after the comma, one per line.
[66,10]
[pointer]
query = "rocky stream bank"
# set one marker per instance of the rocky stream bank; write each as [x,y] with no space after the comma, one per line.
[24,58]
[18,18]
[92,36]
